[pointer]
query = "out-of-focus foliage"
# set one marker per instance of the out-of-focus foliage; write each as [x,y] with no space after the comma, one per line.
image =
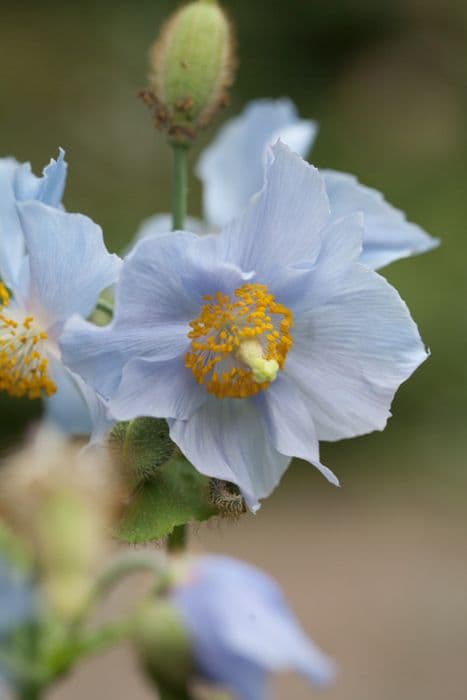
[385,79]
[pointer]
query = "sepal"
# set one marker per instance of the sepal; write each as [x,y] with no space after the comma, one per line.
[176,495]
[164,648]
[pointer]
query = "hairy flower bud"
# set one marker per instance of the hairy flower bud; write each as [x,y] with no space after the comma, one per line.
[191,66]
[141,446]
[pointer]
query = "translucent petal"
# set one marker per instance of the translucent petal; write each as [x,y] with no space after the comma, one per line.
[232,167]
[388,235]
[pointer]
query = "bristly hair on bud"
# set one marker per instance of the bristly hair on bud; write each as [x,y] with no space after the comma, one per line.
[227,498]
[192,64]
[140,447]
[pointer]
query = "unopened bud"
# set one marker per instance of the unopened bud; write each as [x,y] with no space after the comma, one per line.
[141,446]
[191,66]
[164,645]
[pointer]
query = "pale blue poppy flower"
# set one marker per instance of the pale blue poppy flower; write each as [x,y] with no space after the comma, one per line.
[241,628]
[65,268]
[231,170]
[257,342]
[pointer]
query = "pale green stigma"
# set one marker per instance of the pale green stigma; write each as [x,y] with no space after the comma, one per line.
[251,353]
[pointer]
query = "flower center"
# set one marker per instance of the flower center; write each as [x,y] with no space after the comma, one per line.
[23,367]
[239,343]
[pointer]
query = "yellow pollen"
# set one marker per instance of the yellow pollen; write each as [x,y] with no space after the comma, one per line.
[23,369]
[239,343]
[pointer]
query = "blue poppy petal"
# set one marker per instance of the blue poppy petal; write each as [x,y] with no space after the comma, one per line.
[388,236]
[289,423]
[227,440]
[67,408]
[99,354]
[160,225]
[283,223]
[47,189]
[162,390]
[352,352]
[69,263]
[11,235]
[232,167]
[151,288]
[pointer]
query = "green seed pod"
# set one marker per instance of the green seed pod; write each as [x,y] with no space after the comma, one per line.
[141,446]
[191,66]
[164,646]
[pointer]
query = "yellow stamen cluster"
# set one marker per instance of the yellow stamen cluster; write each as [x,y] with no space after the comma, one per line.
[239,343]
[23,369]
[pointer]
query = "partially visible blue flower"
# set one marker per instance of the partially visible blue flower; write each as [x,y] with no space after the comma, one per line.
[231,170]
[241,628]
[232,166]
[257,342]
[62,272]
[68,407]
[18,605]
[18,183]
[17,598]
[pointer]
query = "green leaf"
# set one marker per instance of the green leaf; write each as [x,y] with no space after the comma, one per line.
[176,495]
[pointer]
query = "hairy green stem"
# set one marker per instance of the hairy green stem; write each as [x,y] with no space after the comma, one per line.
[176,541]
[105,637]
[179,185]
[119,569]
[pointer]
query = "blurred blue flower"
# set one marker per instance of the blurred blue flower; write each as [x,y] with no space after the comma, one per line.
[257,342]
[18,605]
[17,598]
[231,170]
[241,629]
[64,268]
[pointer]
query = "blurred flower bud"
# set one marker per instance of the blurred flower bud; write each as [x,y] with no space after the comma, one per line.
[141,446]
[164,645]
[62,501]
[191,66]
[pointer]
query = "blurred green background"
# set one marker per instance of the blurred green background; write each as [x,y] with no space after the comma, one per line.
[387,80]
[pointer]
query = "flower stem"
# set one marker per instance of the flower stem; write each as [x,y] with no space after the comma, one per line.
[177,540]
[179,185]
[30,692]
[122,567]
[167,693]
